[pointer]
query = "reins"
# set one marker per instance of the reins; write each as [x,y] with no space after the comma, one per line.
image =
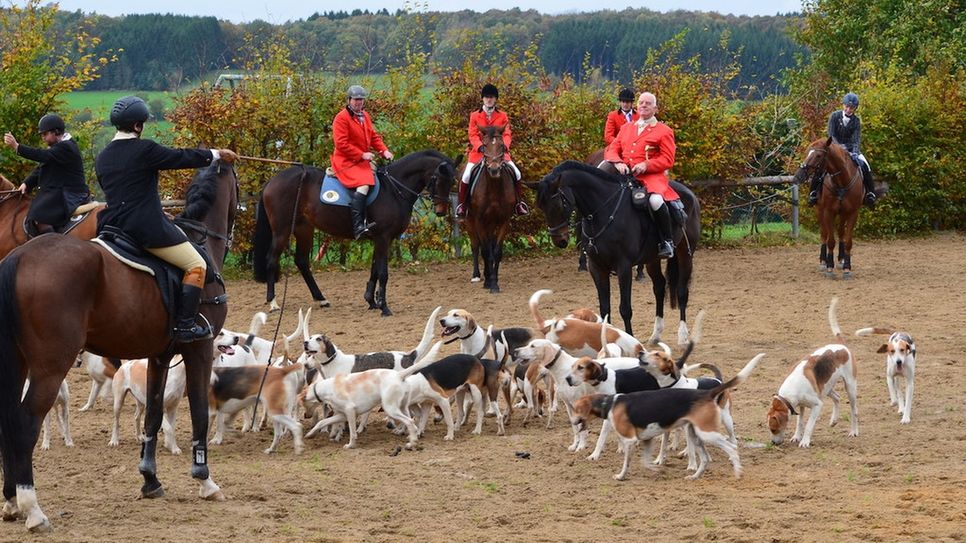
[588,219]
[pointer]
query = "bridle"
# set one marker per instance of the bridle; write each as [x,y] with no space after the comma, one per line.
[399,187]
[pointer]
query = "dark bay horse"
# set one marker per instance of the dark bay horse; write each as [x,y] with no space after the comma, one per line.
[13,211]
[295,191]
[839,202]
[619,237]
[491,208]
[59,295]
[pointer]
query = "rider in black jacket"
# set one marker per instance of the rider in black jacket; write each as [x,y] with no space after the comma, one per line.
[127,170]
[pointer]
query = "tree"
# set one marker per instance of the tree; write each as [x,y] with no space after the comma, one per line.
[36,67]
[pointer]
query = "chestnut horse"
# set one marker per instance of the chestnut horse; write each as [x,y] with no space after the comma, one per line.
[295,191]
[13,211]
[839,202]
[619,237]
[59,295]
[491,207]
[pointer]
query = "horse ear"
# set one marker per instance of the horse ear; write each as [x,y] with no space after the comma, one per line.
[457,162]
[828,141]
[531,186]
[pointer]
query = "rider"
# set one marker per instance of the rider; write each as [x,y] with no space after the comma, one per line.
[354,136]
[489,115]
[59,179]
[127,170]
[646,149]
[845,128]
[620,116]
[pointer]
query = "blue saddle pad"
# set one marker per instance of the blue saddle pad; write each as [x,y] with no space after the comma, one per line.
[334,193]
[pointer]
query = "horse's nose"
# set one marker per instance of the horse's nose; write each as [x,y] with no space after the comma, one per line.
[560,243]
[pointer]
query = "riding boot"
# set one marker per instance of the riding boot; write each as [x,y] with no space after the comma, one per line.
[813,191]
[870,197]
[461,201]
[186,328]
[357,209]
[665,246]
[521,207]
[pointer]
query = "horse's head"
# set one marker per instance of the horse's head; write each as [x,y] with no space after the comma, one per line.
[211,203]
[493,148]
[6,184]
[556,202]
[440,184]
[815,164]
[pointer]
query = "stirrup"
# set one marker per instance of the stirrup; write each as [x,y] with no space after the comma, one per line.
[870,199]
[364,231]
[196,332]
[813,198]
[522,209]
[460,210]
[665,249]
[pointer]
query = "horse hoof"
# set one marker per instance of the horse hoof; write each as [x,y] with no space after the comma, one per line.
[42,527]
[217,496]
[386,313]
[153,492]
[494,290]
[581,268]
[475,280]
[847,274]
[829,274]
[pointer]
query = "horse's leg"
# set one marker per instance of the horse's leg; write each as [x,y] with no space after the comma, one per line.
[370,294]
[475,249]
[625,281]
[34,407]
[841,260]
[497,258]
[197,361]
[659,286]
[279,242]
[303,244]
[846,251]
[684,264]
[601,279]
[380,259]
[640,273]
[154,410]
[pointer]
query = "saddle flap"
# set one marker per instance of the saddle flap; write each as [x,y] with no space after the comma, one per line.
[333,192]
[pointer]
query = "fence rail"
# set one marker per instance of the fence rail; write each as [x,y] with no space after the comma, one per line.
[758,181]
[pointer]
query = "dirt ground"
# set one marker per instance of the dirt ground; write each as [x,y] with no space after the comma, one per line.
[892,483]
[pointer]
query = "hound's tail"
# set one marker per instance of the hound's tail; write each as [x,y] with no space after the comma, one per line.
[833,321]
[12,423]
[542,325]
[424,343]
[258,320]
[430,358]
[687,369]
[737,379]
[877,330]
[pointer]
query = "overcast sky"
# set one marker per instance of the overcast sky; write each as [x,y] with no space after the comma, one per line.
[279,11]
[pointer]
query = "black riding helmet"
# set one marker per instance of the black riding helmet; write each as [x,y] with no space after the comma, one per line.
[129,111]
[51,122]
[489,90]
[626,95]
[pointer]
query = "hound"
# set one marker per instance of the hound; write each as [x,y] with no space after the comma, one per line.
[101,370]
[132,377]
[642,416]
[579,337]
[354,394]
[809,381]
[900,351]
[62,409]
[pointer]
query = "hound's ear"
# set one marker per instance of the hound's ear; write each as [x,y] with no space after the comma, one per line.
[883,348]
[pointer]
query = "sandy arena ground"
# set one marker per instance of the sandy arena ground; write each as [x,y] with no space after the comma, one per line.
[892,483]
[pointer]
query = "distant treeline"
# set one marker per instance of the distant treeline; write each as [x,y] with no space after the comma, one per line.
[164,52]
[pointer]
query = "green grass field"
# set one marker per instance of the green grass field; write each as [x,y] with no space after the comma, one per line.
[99,102]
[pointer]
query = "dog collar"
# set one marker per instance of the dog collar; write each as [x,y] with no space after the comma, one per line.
[329,359]
[788,404]
[473,331]
[554,360]
[316,394]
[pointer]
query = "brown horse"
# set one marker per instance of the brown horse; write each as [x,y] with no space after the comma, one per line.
[295,191]
[96,303]
[839,202]
[491,207]
[13,211]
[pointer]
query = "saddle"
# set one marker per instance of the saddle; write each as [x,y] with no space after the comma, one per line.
[333,192]
[76,218]
[639,199]
[167,276]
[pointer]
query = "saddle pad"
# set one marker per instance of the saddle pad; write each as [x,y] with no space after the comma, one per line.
[334,193]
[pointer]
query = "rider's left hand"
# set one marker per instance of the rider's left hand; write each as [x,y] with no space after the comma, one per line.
[387,154]
[639,168]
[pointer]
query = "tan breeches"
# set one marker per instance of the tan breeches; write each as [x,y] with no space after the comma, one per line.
[185,257]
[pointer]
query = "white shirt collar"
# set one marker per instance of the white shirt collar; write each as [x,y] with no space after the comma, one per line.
[124,136]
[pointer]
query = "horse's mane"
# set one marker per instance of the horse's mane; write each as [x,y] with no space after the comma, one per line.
[425,152]
[201,193]
[569,165]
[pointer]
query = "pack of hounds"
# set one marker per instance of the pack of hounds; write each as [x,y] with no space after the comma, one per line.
[595,370]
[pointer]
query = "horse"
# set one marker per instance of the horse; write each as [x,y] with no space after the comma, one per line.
[597,159]
[290,204]
[619,237]
[839,202]
[491,208]
[13,212]
[97,303]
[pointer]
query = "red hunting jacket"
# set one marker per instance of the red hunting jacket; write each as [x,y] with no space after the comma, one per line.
[615,120]
[478,117]
[655,146]
[353,138]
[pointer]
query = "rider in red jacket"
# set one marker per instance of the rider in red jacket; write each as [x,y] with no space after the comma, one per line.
[488,115]
[620,116]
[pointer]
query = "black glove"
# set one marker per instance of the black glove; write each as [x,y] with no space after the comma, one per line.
[482,147]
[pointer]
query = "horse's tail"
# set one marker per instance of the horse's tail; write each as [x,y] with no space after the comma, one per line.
[673,277]
[261,243]
[11,422]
